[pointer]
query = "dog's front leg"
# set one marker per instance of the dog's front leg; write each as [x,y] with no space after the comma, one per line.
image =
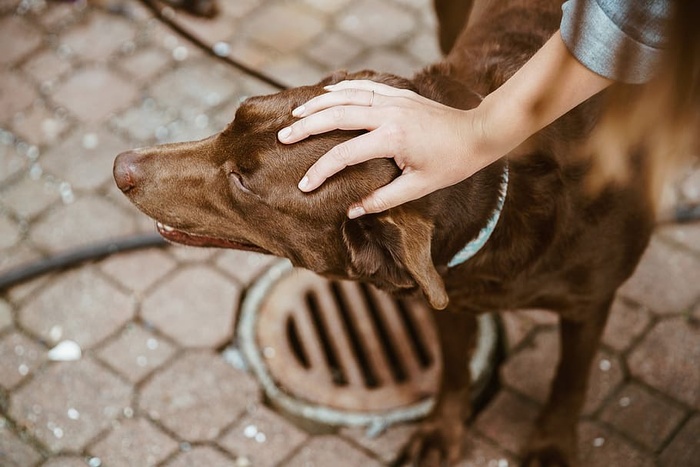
[553,442]
[438,440]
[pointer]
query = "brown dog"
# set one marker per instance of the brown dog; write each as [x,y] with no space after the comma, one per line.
[553,247]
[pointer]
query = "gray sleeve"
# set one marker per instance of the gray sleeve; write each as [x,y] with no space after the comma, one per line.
[621,40]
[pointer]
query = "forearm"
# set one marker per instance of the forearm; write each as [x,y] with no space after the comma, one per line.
[550,84]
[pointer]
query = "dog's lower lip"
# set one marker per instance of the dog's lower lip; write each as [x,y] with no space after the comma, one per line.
[179,236]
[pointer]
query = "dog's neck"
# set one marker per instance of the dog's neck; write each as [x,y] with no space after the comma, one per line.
[477,243]
[474,205]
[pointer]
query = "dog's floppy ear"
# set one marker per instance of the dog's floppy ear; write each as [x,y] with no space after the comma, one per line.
[394,248]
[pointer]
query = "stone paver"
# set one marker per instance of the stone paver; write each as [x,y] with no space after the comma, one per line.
[195,307]
[507,421]
[668,359]
[5,315]
[69,404]
[99,37]
[625,324]
[330,450]
[643,416]
[80,306]
[15,94]
[21,356]
[91,94]
[80,83]
[80,221]
[28,197]
[662,281]
[40,126]
[85,158]
[599,446]
[200,456]
[13,451]
[9,233]
[263,437]
[684,449]
[198,396]
[128,270]
[284,27]
[17,39]
[136,352]
[134,442]
[11,161]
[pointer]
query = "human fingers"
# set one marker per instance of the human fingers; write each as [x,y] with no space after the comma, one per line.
[402,189]
[355,92]
[369,85]
[342,117]
[350,96]
[354,151]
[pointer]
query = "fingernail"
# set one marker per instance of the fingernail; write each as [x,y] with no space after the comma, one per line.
[304,183]
[356,211]
[299,111]
[284,132]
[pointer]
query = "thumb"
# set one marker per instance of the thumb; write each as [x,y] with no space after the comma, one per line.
[401,190]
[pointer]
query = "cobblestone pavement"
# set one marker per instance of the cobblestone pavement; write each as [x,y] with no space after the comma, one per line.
[80,84]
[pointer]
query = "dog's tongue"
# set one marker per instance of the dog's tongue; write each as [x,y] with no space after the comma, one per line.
[184,238]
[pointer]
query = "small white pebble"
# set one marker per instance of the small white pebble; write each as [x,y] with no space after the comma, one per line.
[222,49]
[250,431]
[260,437]
[65,351]
[180,53]
[152,343]
[56,333]
[95,462]
[625,401]
[73,414]
[90,141]
[598,442]
[605,365]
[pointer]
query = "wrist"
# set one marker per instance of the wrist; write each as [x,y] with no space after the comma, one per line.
[497,129]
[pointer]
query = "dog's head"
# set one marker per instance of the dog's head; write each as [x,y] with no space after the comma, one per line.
[238,189]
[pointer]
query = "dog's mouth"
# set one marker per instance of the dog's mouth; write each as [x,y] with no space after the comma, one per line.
[178,236]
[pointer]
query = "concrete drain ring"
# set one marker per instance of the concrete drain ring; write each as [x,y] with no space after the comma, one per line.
[343,353]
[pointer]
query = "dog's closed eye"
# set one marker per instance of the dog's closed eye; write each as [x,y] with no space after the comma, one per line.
[238,182]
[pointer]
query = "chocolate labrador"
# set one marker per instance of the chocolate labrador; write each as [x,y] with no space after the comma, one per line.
[522,233]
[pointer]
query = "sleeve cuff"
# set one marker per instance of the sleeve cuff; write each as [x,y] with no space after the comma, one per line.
[596,41]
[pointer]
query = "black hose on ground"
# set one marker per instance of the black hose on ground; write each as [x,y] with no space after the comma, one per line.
[78,256]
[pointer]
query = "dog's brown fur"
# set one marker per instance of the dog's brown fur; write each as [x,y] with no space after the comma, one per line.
[554,247]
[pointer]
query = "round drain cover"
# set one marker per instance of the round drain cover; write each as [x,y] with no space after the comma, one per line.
[346,353]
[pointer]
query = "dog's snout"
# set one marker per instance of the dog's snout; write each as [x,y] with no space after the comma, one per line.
[126,170]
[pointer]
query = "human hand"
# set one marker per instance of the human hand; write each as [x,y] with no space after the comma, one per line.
[435,146]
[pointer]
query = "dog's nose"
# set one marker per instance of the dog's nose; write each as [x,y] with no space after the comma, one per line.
[126,170]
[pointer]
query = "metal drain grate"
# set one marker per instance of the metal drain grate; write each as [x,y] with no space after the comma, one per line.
[344,353]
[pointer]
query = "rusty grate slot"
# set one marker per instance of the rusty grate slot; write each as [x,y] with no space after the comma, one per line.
[361,354]
[422,353]
[335,369]
[297,346]
[341,352]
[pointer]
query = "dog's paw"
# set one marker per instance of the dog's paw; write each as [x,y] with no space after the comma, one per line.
[434,444]
[547,457]
[551,448]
